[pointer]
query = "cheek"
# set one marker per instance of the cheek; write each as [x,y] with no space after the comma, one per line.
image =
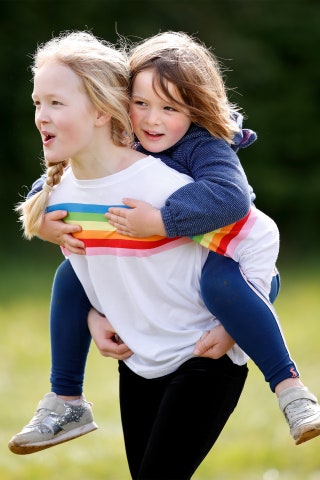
[36,120]
[135,118]
[69,128]
[179,130]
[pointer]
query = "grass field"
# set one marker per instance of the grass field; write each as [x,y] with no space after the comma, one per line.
[254,445]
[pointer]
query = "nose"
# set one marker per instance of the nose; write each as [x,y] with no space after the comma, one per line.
[153,117]
[41,115]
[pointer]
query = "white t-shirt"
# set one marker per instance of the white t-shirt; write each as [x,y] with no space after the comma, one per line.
[147,288]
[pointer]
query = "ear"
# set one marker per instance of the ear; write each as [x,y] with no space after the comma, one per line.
[102,118]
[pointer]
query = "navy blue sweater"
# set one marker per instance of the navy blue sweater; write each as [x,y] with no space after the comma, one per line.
[220,195]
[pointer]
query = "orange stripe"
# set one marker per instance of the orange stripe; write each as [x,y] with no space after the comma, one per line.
[232,233]
[104,234]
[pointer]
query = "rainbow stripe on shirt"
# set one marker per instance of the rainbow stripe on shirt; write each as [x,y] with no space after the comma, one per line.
[224,240]
[101,238]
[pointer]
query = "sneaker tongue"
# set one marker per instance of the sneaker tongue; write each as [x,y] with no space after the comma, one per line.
[294,393]
[53,404]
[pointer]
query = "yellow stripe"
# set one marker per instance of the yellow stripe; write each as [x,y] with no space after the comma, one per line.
[87,225]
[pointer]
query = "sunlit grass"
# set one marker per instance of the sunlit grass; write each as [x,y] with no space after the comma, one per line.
[254,445]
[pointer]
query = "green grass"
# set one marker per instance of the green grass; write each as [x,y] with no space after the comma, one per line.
[254,445]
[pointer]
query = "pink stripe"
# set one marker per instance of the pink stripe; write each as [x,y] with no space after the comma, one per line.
[242,234]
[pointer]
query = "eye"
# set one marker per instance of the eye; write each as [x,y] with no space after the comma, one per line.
[56,102]
[170,109]
[139,103]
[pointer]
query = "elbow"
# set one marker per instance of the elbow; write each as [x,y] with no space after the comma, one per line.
[245,208]
[240,208]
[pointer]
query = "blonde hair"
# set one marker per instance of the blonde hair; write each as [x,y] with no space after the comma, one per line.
[105,76]
[197,75]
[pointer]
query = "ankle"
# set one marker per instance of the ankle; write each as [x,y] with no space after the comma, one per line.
[288,383]
[69,398]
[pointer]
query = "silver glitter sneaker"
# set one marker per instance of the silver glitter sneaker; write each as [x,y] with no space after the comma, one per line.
[302,412]
[54,422]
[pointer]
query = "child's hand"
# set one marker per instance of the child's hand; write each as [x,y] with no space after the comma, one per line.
[105,338]
[141,220]
[214,344]
[54,230]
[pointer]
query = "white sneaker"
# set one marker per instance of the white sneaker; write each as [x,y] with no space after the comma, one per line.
[302,412]
[55,421]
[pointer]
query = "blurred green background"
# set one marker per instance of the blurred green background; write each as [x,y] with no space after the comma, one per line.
[270,49]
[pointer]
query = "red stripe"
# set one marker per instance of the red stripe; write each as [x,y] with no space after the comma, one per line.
[236,229]
[124,243]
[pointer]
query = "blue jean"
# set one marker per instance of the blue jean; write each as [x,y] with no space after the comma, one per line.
[70,336]
[245,314]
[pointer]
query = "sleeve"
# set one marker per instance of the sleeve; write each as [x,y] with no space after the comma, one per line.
[220,194]
[37,186]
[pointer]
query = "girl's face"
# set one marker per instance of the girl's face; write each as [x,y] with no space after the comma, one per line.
[64,115]
[158,122]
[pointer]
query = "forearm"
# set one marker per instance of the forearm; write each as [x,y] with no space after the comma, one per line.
[196,208]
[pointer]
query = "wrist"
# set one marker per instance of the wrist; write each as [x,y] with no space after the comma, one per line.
[158,223]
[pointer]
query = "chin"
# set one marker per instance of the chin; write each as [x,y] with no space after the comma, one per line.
[153,149]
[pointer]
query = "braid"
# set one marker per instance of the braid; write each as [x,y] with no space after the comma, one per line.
[32,210]
[55,172]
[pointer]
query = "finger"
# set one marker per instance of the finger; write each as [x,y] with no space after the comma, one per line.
[125,355]
[57,214]
[202,345]
[73,242]
[124,352]
[119,348]
[108,344]
[116,351]
[205,354]
[199,349]
[72,228]
[117,212]
[131,202]
[117,220]
[127,233]
[208,341]
[212,353]
[117,357]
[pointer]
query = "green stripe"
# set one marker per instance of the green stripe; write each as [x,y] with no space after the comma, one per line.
[80,216]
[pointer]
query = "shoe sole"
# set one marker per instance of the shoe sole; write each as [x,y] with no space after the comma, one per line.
[64,437]
[306,435]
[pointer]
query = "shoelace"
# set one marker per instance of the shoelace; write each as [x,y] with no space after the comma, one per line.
[298,410]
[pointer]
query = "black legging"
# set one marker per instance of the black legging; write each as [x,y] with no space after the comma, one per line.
[171,423]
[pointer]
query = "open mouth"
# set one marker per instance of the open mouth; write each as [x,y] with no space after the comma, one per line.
[153,134]
[46,138]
